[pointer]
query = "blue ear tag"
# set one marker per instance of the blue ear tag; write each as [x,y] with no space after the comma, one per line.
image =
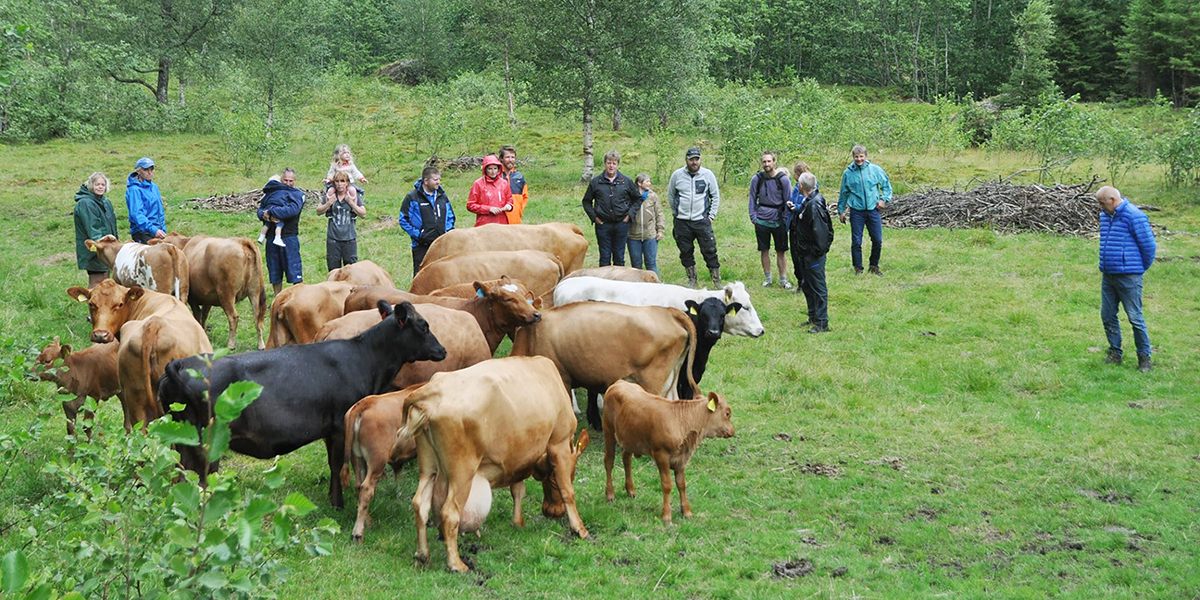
[479,292]
[529,300]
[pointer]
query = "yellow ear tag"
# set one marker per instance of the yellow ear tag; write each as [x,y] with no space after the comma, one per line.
[691,310]
[712,405]
[81,298]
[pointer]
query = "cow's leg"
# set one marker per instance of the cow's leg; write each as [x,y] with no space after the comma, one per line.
[335,448]
[518,494]
[610,451]
[593,407]
[627,461]
[423,498]
[231,316]
[682,485]
[71,410]
[662,459]
[563,461]
[366,492]
[459,488]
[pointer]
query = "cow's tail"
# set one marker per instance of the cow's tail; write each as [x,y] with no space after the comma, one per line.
[258,299]
[279,329]
[180,276]
[416,420]
[353,421]
[686,322]
[150,335]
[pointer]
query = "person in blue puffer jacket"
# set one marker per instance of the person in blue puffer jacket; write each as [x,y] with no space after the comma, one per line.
[1126,251]
[426,214]
[147,218]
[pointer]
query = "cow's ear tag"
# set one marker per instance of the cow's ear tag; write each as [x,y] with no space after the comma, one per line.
[479,292]
[712,405]
[529,300]
[81,298]
[692,310]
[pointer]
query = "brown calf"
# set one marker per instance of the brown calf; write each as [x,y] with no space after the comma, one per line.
[299,311]
[89,372]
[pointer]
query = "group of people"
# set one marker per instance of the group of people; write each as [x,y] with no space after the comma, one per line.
[626,214]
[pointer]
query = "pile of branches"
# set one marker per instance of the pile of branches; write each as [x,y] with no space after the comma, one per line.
[1060,209]
[245,201]
[465,162]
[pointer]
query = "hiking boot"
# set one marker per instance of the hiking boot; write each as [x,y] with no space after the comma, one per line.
[691,274]
[1144,363]
[858,270]
[807,323]
[874,269]
[715,273]
[1114,357]
[819,328]
[767,281]
[785,284]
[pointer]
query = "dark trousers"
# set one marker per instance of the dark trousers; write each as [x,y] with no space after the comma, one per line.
[339,254]
[610,239]
[810,275]
[874,225]
[687,232]
[418,253]
[141,237]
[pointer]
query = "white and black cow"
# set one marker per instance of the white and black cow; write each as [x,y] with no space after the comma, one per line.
[743,322]
[709,318]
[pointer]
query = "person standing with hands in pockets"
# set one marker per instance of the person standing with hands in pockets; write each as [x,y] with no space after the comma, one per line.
[490,197]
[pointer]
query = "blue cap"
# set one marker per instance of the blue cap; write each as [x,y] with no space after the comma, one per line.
[144,163]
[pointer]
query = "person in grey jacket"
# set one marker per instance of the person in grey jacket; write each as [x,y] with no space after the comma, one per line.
[694,197]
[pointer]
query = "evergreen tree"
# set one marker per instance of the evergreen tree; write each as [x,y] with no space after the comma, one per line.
[1032,76]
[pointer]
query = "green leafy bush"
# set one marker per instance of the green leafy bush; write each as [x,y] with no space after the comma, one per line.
[1181,152]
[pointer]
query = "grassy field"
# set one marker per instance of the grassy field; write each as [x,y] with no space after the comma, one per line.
[956,435]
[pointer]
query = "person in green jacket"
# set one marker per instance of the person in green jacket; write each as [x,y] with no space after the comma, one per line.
[94,219]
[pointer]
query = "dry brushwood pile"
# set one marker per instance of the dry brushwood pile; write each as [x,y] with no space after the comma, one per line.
[245,201]
[465,162]
[1060,209]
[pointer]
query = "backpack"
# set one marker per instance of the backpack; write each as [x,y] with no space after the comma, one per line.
[762,180]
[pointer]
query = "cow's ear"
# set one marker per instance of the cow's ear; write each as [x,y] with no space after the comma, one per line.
[56,341]
[728,293]
[733,309]
[581,444]
[693,308]
[536,302]
[712,402]
[79,294]
[90,245]
[480,290]
[134,293]
[64,351]
[385,309]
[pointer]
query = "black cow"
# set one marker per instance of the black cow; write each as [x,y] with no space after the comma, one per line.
[709,319]
[306,388]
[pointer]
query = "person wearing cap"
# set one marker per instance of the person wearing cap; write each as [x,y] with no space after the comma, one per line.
[611,201]
[147,217]
[694,197]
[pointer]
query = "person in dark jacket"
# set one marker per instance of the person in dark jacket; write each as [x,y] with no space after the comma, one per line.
[94,219]
[1126,251]
[811,232]
[611,201]
[426,214]
[282,202]
[147,217]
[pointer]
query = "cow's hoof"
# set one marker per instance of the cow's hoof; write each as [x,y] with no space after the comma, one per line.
[461,567]
[357,539]
[421,559]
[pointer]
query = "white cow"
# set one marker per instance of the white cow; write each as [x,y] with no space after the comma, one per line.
[744,322]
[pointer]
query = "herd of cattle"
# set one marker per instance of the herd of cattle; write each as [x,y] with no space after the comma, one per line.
[385,376]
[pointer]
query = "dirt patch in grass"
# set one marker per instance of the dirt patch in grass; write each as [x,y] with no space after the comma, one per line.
[1108,497]
[54,259]
[895,462]
[928,514]
[793,568]
[822,470]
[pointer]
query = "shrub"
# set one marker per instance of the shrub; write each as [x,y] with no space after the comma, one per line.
[1181,152]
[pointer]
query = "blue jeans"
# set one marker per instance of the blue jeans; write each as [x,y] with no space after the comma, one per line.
[1127,291]
[643,254]
[810,271]
[610,239]
[871,219]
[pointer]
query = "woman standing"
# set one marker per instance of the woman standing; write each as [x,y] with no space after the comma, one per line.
[94,219]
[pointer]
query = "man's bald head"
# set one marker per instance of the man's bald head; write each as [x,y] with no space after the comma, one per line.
[1109,198]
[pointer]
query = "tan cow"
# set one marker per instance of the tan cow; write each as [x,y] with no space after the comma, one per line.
[363,272]
[540,271]
[594,344]
[221,272]
[499,306]
[666,430]
[153,330]
[89,372]
[161,267]
[498,419]
[371,445]
[299,311]
[617,274]
[457,332]
[564,240]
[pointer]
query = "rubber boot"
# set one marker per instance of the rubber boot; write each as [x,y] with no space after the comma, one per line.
[1144,363]
[716,277]
[691,273]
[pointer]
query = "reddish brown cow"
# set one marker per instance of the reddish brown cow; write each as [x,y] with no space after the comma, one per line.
[371,445]
[540,271]
[666,430]
[564,240]
[221,272]
[89,372]
[299,311]
[363,272]
[161,267]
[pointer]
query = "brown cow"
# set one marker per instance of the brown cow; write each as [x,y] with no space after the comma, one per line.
[540,271]
[499,306]
[89,372]
[617,274]
[564,240]
[222,271]
[371,445]
[153,330]
[457,332]
[498,419]
[597,343]
[363,272]
[161,267]
[666,430]
[299,311]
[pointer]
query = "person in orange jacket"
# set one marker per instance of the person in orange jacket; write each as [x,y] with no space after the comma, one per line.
[491,197]
[516,182]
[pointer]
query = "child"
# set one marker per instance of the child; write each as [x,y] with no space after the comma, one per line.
[646,229]
[343,161]
[342,205]
[274,202]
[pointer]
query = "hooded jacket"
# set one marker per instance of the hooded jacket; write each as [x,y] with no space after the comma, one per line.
[94,219]
[648,222]
[520,195]
[488,192]
[1127,244]
[426,221]
[145,205]
[285,203]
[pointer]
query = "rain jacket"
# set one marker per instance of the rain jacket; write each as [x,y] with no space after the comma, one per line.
[146,213]
[648,222]
[520,195]
[486,193]
[863,187]
[94,219]
[285,203]
[425,221]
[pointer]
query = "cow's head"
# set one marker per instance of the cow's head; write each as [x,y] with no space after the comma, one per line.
[553,505]
[511,303]
[183,394]
[422,345]
[745,321]
[719,423]
[106,248]
[709,316]
[45,365]
[109,304]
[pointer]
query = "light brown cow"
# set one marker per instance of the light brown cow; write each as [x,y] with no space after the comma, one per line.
[221,272]
[564,240]
[371,445]
[457,332]
[299,311]
[153,330]
[617,274]
[161,267]
[540,271]
[89,372]
[597,343]
[498,419]
[666,430]
[499,306]
[363,272]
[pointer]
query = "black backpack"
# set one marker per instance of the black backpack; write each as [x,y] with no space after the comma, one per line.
[778,179]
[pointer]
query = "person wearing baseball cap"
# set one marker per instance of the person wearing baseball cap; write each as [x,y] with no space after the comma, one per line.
[147,216]
[694,198]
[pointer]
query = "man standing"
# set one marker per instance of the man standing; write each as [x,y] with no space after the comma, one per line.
[865,189]
[812,235]
[147,218]
[282,202]
[516,182]
[769,191]
[426,214]
[1126,252]
[694,197]
[610,201]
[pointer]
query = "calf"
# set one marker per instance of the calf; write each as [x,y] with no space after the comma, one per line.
[162,267]
[299,311]
[307,389]
[371,445]
[89,372]
[666,430]
[222,272]
[709,319]
[617,274]
[363,272]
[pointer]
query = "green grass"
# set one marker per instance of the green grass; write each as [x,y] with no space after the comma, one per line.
[981,449]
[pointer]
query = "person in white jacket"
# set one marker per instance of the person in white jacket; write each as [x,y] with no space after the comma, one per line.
[694,197]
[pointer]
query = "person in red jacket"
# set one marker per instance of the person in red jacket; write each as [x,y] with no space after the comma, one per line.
[490,197]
